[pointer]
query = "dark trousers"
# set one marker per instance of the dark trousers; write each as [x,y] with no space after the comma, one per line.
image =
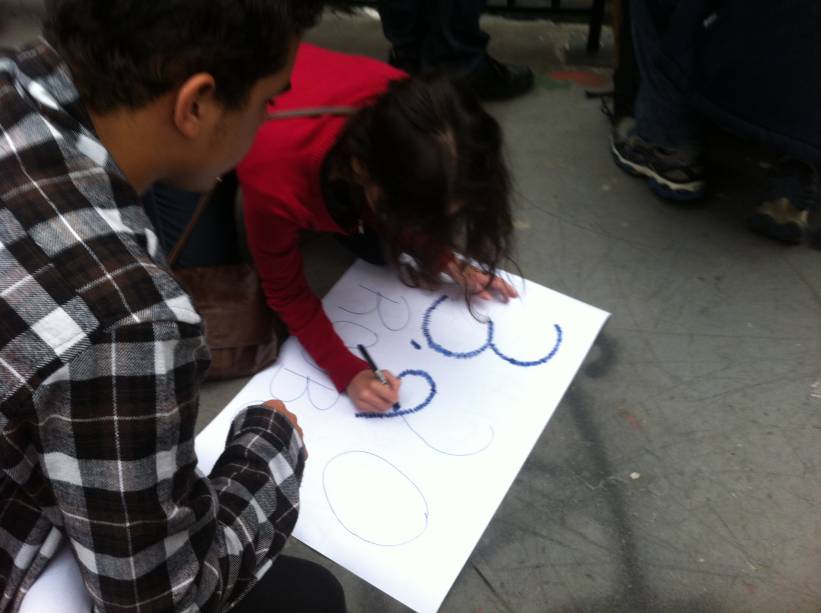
[664,113]
[435,34]
[294,585]
[214,239]
[626,75]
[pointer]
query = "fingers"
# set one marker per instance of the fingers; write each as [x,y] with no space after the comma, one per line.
[383,397]
[386,393]
[369,395]
[276,405]
[475,282]
[485,287]
[378,394]
[394,381]
[279,407]
[372,396]
[367,407]
[475,279]
[452,269]
[504,289]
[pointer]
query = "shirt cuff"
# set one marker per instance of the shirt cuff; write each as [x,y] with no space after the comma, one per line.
[343,373]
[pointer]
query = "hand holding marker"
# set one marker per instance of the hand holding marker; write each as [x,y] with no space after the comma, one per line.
[373,390]
[367,357]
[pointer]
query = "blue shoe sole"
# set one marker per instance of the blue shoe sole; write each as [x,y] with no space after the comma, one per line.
[660,187]
[676,195]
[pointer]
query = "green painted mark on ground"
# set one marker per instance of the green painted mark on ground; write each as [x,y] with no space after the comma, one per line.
[551,84]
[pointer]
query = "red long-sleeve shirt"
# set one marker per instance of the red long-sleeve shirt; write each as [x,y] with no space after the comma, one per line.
[282,191]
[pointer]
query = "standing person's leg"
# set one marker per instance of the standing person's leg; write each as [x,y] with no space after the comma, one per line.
[405,24]
[294,585]
[663,142]
[458,45]
[626,75]
[429,35]
[664,115]
[794,191]
[455,42]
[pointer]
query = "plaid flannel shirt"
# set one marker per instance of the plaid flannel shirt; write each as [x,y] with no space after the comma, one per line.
[101,356]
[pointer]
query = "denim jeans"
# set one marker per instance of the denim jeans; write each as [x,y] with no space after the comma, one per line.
[664,114]
[214,239]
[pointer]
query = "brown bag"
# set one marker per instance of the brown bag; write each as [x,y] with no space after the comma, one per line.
[243,334]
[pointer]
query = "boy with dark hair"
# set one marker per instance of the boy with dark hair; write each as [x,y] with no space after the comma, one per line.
[101,351]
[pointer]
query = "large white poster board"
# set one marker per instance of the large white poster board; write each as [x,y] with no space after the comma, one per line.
[402,500]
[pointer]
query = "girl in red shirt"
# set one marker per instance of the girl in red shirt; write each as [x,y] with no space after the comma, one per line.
[393,165]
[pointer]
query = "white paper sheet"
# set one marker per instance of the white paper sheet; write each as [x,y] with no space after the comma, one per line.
[402,501]
[59,588]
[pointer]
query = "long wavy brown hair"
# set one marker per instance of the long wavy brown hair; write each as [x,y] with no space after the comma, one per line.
[437,159]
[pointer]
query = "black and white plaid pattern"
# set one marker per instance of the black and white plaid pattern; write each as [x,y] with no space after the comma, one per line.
[101,356]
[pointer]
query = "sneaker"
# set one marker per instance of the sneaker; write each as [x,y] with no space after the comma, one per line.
[671,174]
[494,80]
[794,190]
[780,219]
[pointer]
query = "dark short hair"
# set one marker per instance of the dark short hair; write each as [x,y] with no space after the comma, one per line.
[126,53]
[438,158]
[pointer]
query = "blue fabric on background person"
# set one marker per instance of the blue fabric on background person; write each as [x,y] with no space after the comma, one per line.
[749,65]
[664,112]
[214,239]
[757,73]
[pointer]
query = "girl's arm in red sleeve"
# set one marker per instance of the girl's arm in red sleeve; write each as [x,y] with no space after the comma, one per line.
[274,244]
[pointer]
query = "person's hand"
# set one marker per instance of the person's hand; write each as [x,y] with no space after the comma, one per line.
[369,395]
[480,284]
[279,407]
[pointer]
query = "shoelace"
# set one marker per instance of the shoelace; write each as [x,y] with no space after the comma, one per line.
[607,102]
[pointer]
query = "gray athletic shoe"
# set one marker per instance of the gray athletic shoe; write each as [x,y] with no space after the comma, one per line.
[671,174]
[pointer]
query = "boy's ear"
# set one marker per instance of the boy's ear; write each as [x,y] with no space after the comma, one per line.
[195,105]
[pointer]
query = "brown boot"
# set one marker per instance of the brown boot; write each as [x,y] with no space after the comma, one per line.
[781,220]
